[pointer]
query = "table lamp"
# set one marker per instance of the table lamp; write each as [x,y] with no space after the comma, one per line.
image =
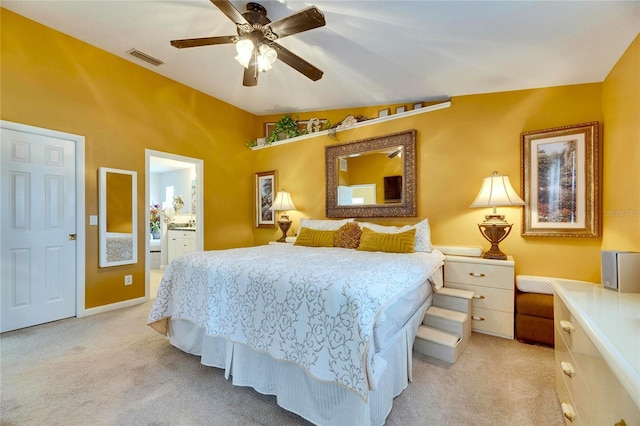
[283,203]
[496,191]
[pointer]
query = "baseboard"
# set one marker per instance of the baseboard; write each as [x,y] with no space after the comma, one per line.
[113,306]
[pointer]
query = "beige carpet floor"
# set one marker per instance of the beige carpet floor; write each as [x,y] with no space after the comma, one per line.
[111,369]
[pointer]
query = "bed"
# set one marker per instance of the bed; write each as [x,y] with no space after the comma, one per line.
[328,330]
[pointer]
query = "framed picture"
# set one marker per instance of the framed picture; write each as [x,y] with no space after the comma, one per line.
[383,112]
[560,171]
[401,109]
[268,128]
[265,194]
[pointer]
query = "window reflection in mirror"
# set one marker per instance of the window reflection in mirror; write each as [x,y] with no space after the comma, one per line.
[373,177]
[117,218]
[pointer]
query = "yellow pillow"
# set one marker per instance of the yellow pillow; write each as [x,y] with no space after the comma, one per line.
[314,238]
[402,242]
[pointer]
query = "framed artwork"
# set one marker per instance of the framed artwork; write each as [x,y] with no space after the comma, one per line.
[268,128]
[560,171]
[265,194]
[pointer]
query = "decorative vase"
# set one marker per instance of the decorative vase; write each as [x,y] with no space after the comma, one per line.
[155,234]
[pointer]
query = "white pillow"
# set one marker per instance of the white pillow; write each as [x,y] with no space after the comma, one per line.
[423,232]
[323,225]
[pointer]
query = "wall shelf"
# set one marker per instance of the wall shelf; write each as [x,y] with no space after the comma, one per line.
[360,124]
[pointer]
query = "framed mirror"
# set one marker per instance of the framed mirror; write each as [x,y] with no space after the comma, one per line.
[373,177]
[117,223]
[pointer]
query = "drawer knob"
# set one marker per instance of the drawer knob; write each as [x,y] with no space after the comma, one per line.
[568,411]
[476,274]
[568,369]
[567,326]
[478,296]
[475,318]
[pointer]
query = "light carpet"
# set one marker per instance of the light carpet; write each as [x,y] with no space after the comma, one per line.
[111,369]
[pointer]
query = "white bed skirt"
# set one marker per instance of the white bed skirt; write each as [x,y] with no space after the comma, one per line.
[322,403]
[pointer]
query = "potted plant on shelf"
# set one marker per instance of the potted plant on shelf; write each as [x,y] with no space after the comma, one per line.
[284,128]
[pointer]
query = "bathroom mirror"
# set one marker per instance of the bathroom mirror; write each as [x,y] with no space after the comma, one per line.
[117,224]
[373,177]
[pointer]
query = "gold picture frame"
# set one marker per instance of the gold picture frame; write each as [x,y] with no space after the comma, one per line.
[560,175]
[265,188]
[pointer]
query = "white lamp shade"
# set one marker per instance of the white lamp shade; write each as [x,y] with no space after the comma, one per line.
[244,48]
[496,191]
[282,202]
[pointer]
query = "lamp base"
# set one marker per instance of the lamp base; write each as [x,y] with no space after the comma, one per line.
[284,224]
[494,253]
[494,229]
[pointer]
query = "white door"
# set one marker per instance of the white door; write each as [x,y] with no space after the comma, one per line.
[37,229]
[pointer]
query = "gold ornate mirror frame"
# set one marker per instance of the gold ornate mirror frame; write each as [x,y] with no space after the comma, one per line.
[405,208]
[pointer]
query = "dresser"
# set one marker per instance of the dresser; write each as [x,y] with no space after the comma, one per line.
[492,281]
[597,354]
[180,242]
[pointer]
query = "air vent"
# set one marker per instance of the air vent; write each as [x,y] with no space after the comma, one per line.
[147,58]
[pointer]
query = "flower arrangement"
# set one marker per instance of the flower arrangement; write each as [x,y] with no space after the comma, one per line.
[154,218]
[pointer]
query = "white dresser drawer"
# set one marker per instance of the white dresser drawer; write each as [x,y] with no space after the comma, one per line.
[487,297]
[597,394]
[493,322]
[479,274]
[182,234]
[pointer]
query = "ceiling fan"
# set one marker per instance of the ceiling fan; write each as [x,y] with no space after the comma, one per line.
[256,40]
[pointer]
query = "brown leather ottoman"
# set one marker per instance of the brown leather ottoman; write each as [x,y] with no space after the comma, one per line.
[534,318]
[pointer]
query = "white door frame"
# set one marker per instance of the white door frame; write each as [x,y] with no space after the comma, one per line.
[80,205]
[199,163]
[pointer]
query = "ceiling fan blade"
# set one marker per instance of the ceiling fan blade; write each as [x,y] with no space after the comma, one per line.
[250,77]
[297,63]
[304,20]
[232,13]
[204,41]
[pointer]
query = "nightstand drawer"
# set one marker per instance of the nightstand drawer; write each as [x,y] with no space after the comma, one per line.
[487,297]
[479,274]
[493,322]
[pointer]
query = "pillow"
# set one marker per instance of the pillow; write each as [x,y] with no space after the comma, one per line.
[314,238]
[399,242]
[423,233]
[323,225]
[348,236]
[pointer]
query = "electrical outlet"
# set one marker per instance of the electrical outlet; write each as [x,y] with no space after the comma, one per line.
[128,279]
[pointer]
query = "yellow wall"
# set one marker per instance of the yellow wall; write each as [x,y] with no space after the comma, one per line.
[621,174]
[53,81]
[457,147]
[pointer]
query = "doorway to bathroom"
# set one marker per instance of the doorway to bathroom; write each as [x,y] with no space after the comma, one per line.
[174,194]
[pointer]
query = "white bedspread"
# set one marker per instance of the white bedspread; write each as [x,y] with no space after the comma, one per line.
[315,307]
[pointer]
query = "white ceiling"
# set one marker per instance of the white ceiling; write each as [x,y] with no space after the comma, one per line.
[371,52]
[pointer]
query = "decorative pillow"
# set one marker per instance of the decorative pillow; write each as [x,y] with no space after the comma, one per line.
[400,242]
[348,236]
[423,233]
[323,225]
[314,238]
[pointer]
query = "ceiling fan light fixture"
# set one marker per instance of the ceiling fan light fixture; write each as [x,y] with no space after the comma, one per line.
[244,48]
[267,57]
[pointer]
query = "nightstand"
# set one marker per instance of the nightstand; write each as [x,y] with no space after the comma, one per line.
[492,281]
